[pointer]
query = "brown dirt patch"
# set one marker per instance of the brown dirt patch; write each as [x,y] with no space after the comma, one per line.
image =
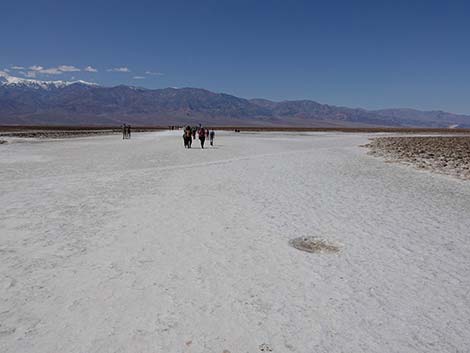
[314,245]
[444,154]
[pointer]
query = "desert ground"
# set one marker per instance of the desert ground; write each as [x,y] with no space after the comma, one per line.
[111,245]
[442,154]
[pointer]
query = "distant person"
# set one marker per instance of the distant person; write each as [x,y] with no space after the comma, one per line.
[211,137]
[202,136]
[128,131]
[194,132]
[207,133]
[124,131]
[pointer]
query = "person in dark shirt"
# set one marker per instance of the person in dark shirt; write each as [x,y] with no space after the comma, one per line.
[202,136]
[187,137]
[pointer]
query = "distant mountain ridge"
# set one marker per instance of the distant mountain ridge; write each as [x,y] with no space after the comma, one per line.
[19,82]
[35,102]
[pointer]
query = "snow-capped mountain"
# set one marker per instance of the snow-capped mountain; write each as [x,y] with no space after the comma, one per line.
[8,80]
[35,102]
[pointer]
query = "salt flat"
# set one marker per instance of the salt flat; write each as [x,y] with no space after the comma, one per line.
[142,246]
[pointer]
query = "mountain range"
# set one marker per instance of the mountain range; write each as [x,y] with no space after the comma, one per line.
[35,102]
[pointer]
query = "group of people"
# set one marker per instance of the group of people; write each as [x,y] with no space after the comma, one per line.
[189,135]
[126,131]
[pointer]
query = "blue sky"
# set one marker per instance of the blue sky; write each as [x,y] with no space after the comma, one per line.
[371,54]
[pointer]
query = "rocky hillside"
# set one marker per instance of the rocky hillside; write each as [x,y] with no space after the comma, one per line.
[33,102]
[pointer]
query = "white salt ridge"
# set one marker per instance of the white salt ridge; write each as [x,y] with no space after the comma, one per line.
[142,246]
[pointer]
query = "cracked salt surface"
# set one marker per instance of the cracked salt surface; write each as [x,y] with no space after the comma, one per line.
[143,246]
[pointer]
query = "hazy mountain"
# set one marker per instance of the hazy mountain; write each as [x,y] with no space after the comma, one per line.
[435,118]
[34,102]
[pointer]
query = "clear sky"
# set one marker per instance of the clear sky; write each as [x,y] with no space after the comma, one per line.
[371,54]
